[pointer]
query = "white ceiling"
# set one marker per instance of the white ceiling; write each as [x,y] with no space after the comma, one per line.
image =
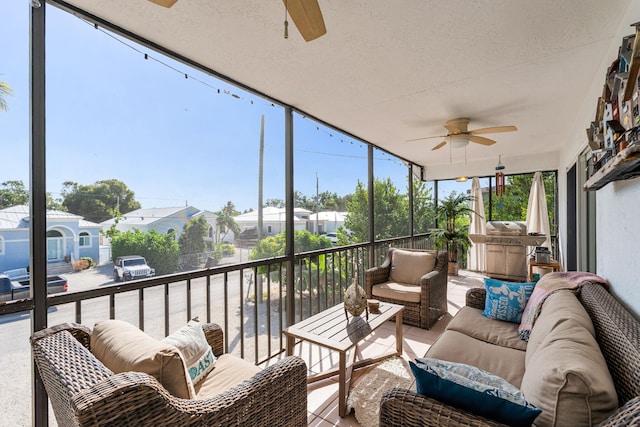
[389,71]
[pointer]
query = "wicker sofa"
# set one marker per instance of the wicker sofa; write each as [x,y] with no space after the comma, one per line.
[421,310]
[617,334]
[84,392]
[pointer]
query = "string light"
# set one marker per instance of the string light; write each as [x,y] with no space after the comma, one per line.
[218,90]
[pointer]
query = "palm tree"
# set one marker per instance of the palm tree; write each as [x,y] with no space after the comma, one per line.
[226,223]
[5,91]
[454,236]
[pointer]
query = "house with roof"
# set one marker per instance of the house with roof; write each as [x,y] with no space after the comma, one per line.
[326,221]
[273,220]
[69,237]
[163,220]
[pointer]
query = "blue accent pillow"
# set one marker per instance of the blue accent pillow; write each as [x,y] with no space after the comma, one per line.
[506,300]
[474,390]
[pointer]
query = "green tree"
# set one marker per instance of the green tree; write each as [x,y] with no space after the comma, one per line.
[13,193]
[96,202]
[278,203]
[225,222]
[191,240]
[423,207]
[273,246]
[391,214]
[160,250]
[304,241]
[512,205]
[5,91]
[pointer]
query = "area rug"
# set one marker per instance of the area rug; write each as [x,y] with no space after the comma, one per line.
[367,390]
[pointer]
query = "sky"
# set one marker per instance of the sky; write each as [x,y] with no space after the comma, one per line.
[173,135]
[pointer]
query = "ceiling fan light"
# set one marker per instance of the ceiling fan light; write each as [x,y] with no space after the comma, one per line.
[459,141]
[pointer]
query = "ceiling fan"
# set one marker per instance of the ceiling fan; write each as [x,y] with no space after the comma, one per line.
[306,15]
[459,136]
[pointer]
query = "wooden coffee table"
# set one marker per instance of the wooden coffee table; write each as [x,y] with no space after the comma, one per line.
[331,329]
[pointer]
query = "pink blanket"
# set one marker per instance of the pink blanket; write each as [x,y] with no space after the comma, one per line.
[550,283]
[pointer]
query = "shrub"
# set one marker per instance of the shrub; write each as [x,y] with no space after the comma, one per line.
[160,250]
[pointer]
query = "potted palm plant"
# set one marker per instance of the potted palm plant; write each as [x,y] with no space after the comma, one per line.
[455,235]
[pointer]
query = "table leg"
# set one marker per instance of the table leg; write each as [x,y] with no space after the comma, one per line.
[399,333]
[291,341]
[342,379]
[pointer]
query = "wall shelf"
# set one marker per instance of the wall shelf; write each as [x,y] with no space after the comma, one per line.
[625,165]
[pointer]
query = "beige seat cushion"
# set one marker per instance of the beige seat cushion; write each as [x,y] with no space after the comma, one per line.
[507,363]
[397,291]
[470,321]
[227,372]
[567,378]
[410,266]
[122,347]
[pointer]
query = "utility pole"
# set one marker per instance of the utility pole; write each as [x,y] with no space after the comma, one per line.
[260,190]
[260,177]
[317,230]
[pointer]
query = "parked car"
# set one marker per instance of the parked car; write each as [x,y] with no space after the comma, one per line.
[19,289]
[333,237]
[131,267]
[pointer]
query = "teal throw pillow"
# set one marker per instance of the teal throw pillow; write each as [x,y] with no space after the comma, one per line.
[506,300]
[474,390]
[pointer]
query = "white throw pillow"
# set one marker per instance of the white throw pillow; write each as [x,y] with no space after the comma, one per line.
[195,349]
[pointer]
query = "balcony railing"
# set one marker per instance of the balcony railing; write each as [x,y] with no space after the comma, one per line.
[248,299]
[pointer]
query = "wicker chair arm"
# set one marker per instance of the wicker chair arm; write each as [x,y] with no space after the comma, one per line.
[406,408]
[215,337]
[78,331]
[374,276]
[626,415]
[476,297]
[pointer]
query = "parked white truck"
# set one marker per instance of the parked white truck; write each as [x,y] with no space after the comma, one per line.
[131,267]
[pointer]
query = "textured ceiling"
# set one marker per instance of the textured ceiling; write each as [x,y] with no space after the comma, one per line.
[389,71]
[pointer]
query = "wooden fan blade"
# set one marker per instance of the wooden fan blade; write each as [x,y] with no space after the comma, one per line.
[495,129]
[439,145]
[307,17]
[481,140]
[165,3]
[425,137]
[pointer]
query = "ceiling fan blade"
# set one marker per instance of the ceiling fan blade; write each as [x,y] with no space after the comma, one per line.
[425,137]
[481,140]
[495,129]
[307,17]
[439,145]
[165,3]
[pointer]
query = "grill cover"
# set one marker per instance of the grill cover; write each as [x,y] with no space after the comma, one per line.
[505,228]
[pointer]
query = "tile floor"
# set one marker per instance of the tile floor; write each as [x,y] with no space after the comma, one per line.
[322,401]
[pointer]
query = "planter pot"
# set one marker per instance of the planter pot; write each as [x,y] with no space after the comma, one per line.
[453,268]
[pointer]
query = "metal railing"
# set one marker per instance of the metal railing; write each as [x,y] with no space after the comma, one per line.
[248,299]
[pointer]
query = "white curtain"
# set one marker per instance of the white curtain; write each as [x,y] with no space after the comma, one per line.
[478,225]
[537,214]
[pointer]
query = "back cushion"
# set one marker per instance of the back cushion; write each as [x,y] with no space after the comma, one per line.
[557,308]
[122,347]
[567,376]
[410,266]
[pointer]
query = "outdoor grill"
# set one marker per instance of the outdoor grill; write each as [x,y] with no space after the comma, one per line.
[506,249]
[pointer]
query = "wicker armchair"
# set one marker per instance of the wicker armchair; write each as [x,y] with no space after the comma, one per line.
[83,392]
[433,290]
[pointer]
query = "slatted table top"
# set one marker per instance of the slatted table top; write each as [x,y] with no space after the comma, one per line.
[332,329]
